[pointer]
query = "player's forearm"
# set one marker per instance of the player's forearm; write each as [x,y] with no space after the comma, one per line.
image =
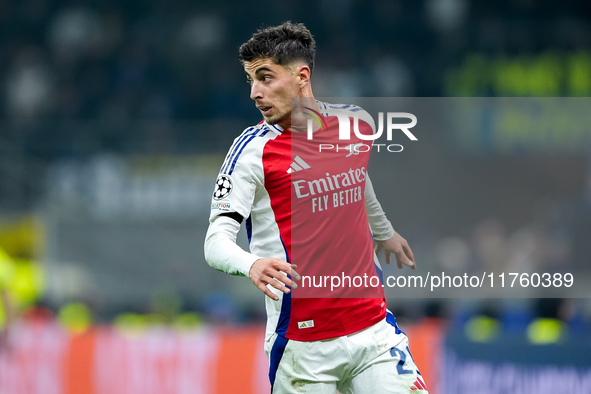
[381,228]
[221,250]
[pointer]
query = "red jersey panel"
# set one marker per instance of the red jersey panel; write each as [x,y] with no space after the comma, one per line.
[317,197]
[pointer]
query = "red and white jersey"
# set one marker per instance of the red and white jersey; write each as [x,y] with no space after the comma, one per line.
[308,208]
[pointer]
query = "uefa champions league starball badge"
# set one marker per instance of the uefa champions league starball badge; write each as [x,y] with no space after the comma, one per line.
[223,187]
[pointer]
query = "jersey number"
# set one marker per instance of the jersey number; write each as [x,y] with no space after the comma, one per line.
[402,355]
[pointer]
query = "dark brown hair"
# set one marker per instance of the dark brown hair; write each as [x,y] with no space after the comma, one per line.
[284,44]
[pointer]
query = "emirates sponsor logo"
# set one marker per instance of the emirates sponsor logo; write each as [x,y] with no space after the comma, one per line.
[329,183]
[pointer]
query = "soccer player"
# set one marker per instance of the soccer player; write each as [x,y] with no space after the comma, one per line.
[315,211]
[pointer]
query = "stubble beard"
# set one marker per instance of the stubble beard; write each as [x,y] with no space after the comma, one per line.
[278,119]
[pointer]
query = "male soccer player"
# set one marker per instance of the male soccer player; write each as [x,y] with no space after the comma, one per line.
[314,209]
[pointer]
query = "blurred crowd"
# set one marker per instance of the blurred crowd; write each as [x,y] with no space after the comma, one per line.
[158,60]
[107,71]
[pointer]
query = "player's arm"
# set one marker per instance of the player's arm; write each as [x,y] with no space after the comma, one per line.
[381,228]
[232,201]
[223,254]
[383,233]
[221,250]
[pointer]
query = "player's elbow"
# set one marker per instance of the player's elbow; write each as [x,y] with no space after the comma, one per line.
[209,249]
[216,248]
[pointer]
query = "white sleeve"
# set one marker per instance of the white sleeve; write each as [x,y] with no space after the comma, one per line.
[236,184]
[381,228]
[231,202]
[233,193]
[221,250]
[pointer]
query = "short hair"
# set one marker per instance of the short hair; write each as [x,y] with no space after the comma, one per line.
[284,44]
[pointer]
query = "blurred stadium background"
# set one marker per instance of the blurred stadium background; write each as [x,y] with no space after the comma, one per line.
[116,115]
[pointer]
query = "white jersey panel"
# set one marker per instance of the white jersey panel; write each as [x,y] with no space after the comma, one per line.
[241,174]
[240,188]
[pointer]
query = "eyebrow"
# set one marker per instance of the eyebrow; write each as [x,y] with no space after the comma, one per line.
[264,68]
[260,70]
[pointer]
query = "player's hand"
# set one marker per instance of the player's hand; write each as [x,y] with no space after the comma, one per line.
[273,272]
[398,246]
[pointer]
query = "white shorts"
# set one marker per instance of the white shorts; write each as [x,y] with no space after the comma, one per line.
[374,360]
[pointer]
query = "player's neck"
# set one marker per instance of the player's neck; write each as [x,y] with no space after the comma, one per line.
[304,108]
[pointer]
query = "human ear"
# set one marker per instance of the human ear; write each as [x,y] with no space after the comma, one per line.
[304,73]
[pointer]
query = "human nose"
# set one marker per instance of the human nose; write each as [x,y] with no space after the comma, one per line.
[255,91]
